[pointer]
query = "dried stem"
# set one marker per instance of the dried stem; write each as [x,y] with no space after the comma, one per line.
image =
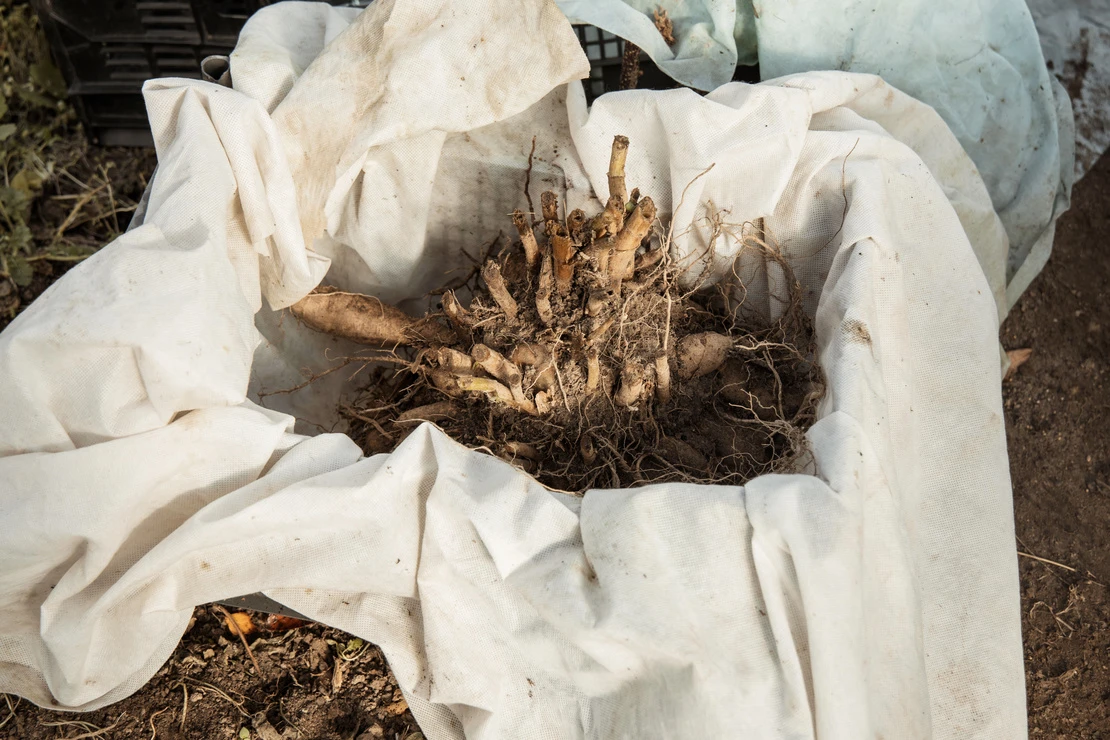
[593,371]
[578,226]
[549,204]
[662,378]
[609,221]
[617,188]
[491,274]
[453,360]
[235,625]
[596,303]
[628,240]
[562,252]
[527,238]
[495,391]
[543,292]
[496,364]
[459,317]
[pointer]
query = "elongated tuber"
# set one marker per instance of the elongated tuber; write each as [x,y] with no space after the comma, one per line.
[431,412]
[701,354]
[522,449]
[498,366]
[681,454]
[366,320]
[446,382]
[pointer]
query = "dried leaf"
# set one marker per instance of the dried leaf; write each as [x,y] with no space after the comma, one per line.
[338,671]
[6,130]
[397,708]
[664,25]
[243,621]
[3,106]
[1017,359]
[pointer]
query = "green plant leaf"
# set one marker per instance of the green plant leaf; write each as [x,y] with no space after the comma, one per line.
[20,270]
[15,203]
[71,252]
[20,239]
[34,97]
[6,130]
[244,733]
[48,78]
[27,182]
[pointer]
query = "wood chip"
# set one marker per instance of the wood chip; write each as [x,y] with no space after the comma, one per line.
[1017,359]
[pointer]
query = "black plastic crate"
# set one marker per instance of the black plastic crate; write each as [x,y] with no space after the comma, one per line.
[107,48]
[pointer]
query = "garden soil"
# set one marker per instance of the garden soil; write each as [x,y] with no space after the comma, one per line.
[1056,405]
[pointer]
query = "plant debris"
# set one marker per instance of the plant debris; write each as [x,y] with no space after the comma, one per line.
[1017,358]
[60,198]
[209,688]
[664,25]
[581,360]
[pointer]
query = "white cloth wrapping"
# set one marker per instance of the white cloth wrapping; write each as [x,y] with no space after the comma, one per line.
[873,595]
[978,63]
